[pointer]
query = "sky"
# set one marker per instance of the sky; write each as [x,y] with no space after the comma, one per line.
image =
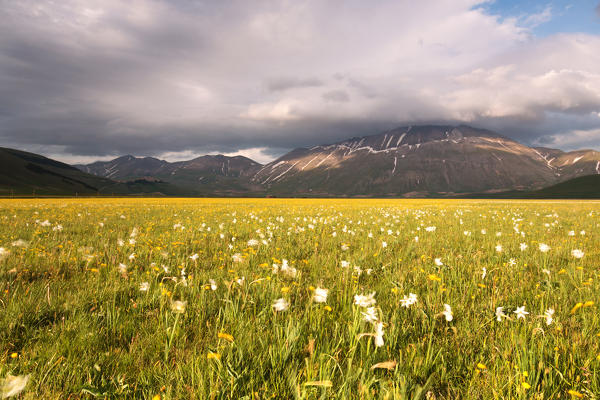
[85,80]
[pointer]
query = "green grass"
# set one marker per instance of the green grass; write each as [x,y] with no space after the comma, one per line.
[82,329]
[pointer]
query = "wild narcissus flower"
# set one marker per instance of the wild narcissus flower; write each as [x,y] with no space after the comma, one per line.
[13,385]
[577,253]
[447,313]
[544,248]
[320,295]
[370,315]
[409,300]
[548,315]
[521,313]
[144,286]
[363,300]
[379,334]
[280,305]
[500,314]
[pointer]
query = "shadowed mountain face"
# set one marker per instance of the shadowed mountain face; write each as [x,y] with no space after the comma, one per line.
[23,173]
[410,161]
[202,175]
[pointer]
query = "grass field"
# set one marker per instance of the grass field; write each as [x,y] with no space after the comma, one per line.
[224,298]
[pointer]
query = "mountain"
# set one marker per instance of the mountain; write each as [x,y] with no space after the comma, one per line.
[418,161]
[583,187]
[412,161]
[572,164]
[23,173]
[210,174]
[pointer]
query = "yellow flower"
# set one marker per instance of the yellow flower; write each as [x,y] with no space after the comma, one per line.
[285,289]
[588,303]
[213,356]
[575,393]
[156,397]
[577,307]
[526,385]
[327,308]
[434,277]
[14,355]
[481,366]
[226,336]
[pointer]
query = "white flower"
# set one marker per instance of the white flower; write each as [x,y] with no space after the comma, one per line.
[571,233]
[430,229]
[546,271]
[363,300]
[132,241]
[379,334]
[120,242]
[19,243]
[370,315]
[13,385]
[280,305]
[447,313]
[416,239]
[544,248]
[521,313]
[178,306]
[483,272]
[253,242]
[523,246]
[213,284]
[132,257]
[320,295]
[499,248]
[549,316]
[512,262]
[483,232]
[345,264]
[577,253]
[500,314]
[384,244]
[345,247]
[237,258]
[194,257]
[144,286]
[409,300]
[4,252]
[438,262]
[122,268]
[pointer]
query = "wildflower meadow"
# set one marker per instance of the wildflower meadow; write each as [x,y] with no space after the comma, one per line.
[299,299]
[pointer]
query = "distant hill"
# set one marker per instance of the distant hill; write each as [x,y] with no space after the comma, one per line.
[23,173]
[583,187]
[206,175]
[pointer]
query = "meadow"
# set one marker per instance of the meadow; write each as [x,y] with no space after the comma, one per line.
[306,299]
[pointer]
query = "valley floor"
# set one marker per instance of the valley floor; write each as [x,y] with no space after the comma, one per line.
[290,298]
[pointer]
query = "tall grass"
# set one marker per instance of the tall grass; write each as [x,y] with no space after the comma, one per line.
[81,327]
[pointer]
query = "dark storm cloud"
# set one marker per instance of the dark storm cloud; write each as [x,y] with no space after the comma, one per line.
[90,78]
[280,84]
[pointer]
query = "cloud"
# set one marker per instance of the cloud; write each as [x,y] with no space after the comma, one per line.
[280,84]
[598,10]
[155,77]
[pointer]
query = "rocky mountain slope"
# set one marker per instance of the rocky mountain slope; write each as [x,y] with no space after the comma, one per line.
[202,175]
[412,161]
